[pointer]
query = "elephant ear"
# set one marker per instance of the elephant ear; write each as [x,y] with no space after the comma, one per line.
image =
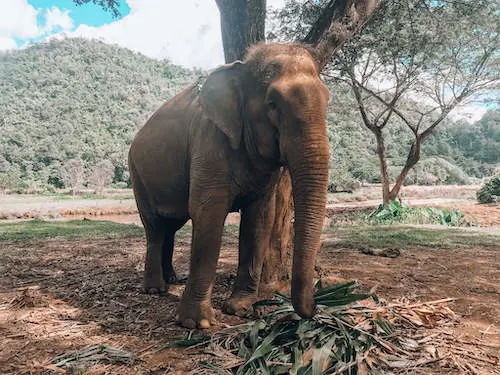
[220,98]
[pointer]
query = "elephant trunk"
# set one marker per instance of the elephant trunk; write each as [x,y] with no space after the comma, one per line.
[308,165]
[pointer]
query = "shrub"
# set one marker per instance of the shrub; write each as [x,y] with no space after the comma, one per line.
[490,191]
[341,180]
[395,212]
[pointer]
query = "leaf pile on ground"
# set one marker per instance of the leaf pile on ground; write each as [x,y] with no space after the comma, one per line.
[350,334]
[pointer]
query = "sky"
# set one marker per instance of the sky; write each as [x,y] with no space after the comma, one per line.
[187,32]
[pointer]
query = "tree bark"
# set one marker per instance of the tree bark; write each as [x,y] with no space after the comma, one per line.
[276,272]
[411,160]
[339,21]
[384,171]
[242,25]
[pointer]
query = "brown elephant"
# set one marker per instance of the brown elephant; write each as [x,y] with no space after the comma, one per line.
[216,148]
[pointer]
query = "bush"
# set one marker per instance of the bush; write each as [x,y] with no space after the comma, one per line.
[341,180]
[435,170]
[490,191]
[398,213]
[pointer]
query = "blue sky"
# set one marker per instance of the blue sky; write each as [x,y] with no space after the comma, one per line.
[88,14]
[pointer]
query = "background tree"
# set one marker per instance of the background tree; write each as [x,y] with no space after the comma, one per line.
[440,56]
[73,175]
[101,176]
[415,62]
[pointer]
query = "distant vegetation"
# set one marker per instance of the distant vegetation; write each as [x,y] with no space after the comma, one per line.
[69,110]
[490,191]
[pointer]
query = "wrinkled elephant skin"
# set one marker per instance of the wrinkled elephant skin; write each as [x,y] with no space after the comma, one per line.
[216,148]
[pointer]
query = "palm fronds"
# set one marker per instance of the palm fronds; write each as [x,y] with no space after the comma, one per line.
[351,334]
[340,339]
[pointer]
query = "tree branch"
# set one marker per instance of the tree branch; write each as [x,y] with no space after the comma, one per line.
[338,22]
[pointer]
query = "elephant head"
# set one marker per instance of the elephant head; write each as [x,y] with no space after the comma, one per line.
[273,105]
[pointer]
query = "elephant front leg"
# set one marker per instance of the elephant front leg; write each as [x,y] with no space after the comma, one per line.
[195,308]
[255,232]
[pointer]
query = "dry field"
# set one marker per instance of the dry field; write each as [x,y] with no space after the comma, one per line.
[58,295]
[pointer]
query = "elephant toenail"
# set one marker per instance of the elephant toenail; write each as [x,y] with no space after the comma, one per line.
[204,323]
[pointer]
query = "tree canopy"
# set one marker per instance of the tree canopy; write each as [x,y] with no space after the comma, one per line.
[414,63]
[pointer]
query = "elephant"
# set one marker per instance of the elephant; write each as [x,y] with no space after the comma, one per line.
[217,147]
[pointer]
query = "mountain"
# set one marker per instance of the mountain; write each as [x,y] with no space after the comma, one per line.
[76,99]
[67,106]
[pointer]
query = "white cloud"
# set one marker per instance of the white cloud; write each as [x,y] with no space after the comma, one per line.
[187,32]
[56,18]
[7,43]
[469,112]
[18,19]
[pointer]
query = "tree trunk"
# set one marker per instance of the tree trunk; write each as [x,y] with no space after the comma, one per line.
[411,160]
[384,171]
[243,24]
[276,272]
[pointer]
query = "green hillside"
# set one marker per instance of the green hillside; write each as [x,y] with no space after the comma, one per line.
[77,102]
[75,99]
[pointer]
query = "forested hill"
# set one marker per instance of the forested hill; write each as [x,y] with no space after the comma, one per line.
[75,99]
[73,106]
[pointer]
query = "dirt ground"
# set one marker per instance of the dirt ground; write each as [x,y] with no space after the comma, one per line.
[63,295]
[57,296]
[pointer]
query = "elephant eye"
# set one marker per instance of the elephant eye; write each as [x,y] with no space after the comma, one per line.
[272,105]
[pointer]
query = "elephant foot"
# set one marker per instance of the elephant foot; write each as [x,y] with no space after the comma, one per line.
[239,303]
[154,286]
[192,315]
[171,277]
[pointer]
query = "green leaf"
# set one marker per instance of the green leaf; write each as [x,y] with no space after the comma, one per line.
[335,289]
[384,326]
[321,356]
[342,301]
[297,359]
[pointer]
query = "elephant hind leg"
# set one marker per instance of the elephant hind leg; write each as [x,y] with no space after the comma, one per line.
[158,270]
[153,272]
[171,226]
[154,226]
